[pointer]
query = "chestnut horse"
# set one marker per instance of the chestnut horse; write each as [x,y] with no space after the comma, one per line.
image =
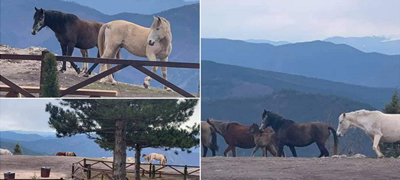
[236,135]
[65,154]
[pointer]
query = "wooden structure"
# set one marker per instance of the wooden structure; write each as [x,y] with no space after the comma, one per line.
[120,64]
[92,169]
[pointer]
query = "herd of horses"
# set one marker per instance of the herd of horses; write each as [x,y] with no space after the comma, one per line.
[65,154]
[380,127]
[153,43]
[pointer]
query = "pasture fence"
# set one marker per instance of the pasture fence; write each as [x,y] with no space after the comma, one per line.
[92,169]
[120,64]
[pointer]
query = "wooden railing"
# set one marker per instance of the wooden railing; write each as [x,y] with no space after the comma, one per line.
[120,64]
[92,169]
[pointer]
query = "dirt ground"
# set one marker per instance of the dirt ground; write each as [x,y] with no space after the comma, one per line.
[26,73]
[25,167]
[229,168]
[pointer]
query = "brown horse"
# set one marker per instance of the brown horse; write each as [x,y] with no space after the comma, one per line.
[65,154]
[235,135]
[264,139]
[70,32]
[289,133]
[207,132]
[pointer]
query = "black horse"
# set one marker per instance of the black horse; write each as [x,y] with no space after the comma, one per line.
[70,31]
[289,133]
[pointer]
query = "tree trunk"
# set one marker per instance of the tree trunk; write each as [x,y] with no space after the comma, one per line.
[138,149]
[120,150]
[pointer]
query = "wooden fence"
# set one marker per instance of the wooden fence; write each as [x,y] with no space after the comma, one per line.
[92,169]
[120,64]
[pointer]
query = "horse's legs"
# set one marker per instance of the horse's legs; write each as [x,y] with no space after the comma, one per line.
[377,138]
[85,53]
[323,150]
[265,153]
[213,151]
[234,151]
[255,150]
[280,149]
[146,83]
[109,53]
[227,150]
[271,149]
[164,72]
[293,150]
[70,50]
[205,151]
[64,53]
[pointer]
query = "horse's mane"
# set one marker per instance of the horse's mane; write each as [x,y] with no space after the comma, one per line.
[277,121]
[364,112]
[222,125]
[58,18]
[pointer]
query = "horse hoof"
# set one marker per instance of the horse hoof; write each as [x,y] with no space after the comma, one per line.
[145,85]
[78,71]
[62,71]
[85,75]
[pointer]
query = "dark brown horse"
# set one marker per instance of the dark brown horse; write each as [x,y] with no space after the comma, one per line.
[289,133]
[70,31]
[207,133]
[235,135]
[263,139]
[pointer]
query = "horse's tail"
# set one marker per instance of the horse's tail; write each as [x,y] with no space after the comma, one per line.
[214,140]
[101,40]
[335,141]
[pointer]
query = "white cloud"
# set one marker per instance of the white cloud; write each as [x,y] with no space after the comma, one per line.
[299,20]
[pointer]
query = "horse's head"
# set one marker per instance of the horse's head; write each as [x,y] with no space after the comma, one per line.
[253,128]
[158,30]
[38,20]
[264,120]
[344,124]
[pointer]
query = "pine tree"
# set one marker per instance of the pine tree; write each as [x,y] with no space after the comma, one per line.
[50,87]
[392,149]
[116,124]
[17,149]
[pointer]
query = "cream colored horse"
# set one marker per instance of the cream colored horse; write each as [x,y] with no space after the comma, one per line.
[158,157]
[5,152]
[378,126]
[153,43]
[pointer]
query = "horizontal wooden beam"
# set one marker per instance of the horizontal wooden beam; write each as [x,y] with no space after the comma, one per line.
[83,92]
[105,61]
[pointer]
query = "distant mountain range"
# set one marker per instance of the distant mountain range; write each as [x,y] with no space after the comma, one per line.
[275,43]
[135,6]
[17,15]
[221,81]
[34,144]
[317,59]
[369,44]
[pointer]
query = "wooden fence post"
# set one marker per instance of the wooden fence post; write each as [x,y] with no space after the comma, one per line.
[73,170]
[150,171]
[42,68]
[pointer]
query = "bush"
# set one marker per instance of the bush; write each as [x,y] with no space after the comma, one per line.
[50,87]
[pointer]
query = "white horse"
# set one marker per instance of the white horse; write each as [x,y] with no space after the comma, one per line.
[158,157]
[378,126]
[5,152]
[153,43]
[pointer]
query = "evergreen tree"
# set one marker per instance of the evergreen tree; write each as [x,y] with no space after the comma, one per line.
[391,149]
[17,150]
[50,87]
[116,124]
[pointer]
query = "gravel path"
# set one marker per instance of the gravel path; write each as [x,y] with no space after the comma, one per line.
[299,168]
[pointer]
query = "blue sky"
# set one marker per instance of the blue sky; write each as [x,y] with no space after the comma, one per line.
[298,21]
[30,115]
